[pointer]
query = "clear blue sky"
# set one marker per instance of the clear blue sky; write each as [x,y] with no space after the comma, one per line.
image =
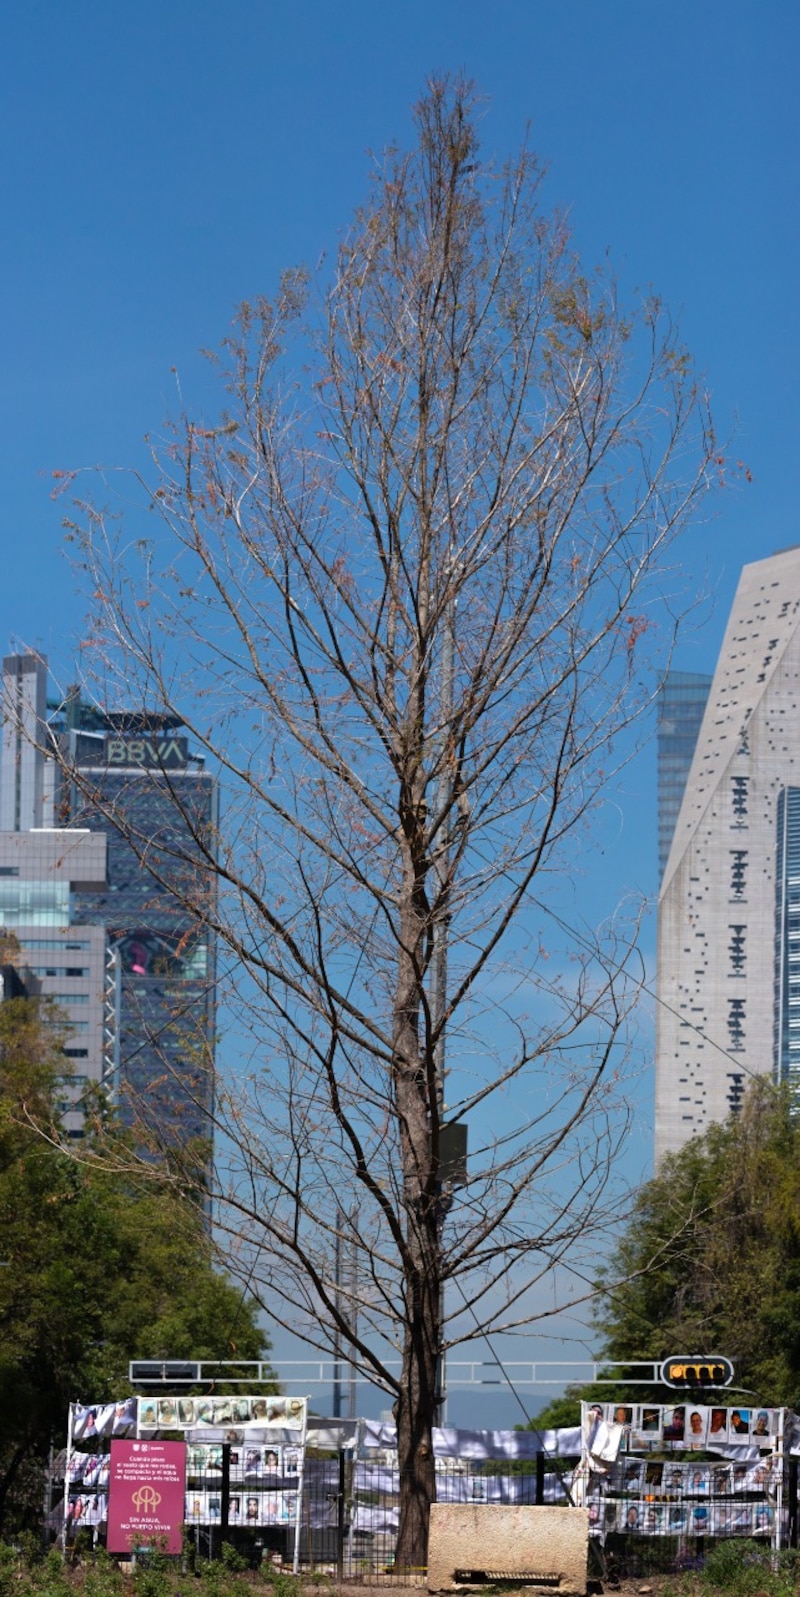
[161,162]
[164,161]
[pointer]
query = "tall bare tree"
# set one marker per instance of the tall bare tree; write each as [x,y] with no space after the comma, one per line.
[397,593]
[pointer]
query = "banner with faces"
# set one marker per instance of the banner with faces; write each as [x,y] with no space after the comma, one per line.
[681,1519]
[104,1419]
[86,1508]
[244,1508]
[188,1413]
[684,1425]
[89,1469]
[635,1477]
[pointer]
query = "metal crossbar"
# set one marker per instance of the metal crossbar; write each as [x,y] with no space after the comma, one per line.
[322,1372]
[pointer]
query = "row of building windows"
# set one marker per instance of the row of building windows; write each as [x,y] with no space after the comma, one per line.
[56,945]
[61,970]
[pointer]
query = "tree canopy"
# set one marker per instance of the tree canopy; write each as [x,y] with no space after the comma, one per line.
[710,1260]
[97,1268]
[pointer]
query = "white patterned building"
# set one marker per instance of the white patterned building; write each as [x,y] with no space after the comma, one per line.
[728,978]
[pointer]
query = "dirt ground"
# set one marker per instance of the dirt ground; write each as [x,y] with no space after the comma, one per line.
[652,1587]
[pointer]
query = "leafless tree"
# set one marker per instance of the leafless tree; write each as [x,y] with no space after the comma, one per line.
[397,594]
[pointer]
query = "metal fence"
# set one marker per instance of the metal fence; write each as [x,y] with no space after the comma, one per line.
[645,1515]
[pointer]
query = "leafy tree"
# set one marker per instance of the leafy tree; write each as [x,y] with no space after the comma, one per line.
[564,1410]
[398,594]
[710,1260]
[97,1268]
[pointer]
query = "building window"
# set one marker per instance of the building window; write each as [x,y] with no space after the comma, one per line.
[736,949]
[34,903]
[60,970]
[787,937]
[53,945]
[739,797]
[736,1022]
[738,872]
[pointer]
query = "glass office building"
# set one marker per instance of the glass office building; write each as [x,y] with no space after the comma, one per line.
[136,781]
[681,707]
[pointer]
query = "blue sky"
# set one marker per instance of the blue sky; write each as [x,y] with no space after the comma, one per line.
[162,162]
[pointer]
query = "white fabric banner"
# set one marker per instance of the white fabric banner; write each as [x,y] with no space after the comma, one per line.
[331,1435]
[450,1443]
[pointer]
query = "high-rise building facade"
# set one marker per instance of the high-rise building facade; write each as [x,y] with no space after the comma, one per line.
[43,867]
[729,907]
[97,875]
[136,781]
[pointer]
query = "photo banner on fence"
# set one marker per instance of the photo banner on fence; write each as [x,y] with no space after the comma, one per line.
[686,1426]
[175,1413]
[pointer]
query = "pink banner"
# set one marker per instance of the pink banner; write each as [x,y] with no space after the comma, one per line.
[146,1495]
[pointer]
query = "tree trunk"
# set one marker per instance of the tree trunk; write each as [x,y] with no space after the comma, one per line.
[415,1411]
[416,1100]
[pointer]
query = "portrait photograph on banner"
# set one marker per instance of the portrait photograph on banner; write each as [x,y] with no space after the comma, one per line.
[253,1462]
[196,1508]
[696,1426]
[252,1510]
[673,1423]
[718,1424]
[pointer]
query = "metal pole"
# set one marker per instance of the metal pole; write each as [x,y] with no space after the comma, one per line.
[225,1506]
[67,1460]
[340,1516]
[352,1318]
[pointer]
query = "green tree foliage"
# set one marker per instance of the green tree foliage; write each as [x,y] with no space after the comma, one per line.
[565,1410]
[98,1268]
[710,1260]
